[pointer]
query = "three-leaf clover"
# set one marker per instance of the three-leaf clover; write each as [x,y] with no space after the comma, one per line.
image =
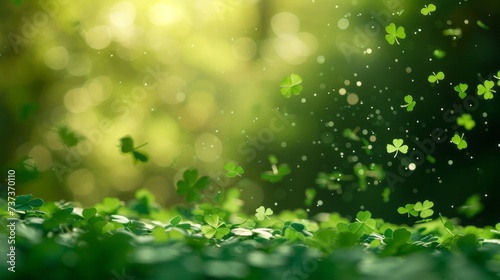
[461,88]
[263,213]
[459,141]
[233,170]
[424,208]
[277,173]
[435,78]
[127,146]
[408,209]
[394,33]
[27,202]
[409,103]
[213,227]
[427,9]
[466,121]
[397,147]
[67,136]
[364,224]
[486,89]
[498,78]
[291,85]
[192,185]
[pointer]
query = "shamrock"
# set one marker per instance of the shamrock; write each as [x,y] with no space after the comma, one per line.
[213,227]
[364,223]
[435,78]
[409,103]
[498,78]
[233,170]
[461,88]
[192,185]
[459,141]
[408,209]
[486,89]
[291,84]
[427,9]
[424,208]
[27,202]
[397,147]
[127,146]
[67,136]
[466,121]
[263,213]
[394,33]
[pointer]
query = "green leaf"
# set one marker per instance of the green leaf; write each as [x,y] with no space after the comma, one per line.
[466,121]
[263,213]
[428,9]
[212,220]
[89,213]
[175,220]
[486,89]
[297,226]
[291,85]
[310,195]
[127,146]
[208,231]
[233,170]
[67,136]
[191,186]
[482,25]
[459,141]
[397,146]
[394,33]
[472,206]
[27,202]
[424,208]
[461,88]
[409,103]
[435,78]
[363,225]
[401,236]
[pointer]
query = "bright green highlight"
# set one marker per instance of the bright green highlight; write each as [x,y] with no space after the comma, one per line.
[291,85]
[466,121]
[486,89]
[427,9]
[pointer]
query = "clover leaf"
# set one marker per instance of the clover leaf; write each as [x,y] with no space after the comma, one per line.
[386,194]
[486,89]
[364,224]
[310,194]
[427,9]
[277,173]
[498,78]
[291,85]
[263,213]
[424,208]
[461,88]
[67,136]
[127,146]
[397,147]
[466,121]
[233,170]
[27,202]
[435,78]
[213,227]
[408,209]
[394,33]
[472,206]
[409,103]
[192,185]
[459,141]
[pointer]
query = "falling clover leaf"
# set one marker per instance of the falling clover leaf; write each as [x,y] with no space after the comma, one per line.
[409,103]
[263,213]
[461,88]
[127,146]
[466,121]
[498,78]
[291,85]
[397,146]
[277,173]
[394,33]
[482,25]
[435,78]
[486,89]
[192,185]
[424,208]
[67,136]
[427,9]
[233,170]
[459,141]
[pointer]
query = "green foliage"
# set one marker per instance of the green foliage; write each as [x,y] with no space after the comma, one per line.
[439,54]
[127,146]
[435,78]
[277,172]
[459,141]
[263,213]
[466,121]
[482,25]
[386,194]
[191,186]
[26,169]
[461,88]
[472,206]
[397,146]
[214,228]
[427,9]
[394,33]
[310,194]
[364,224]
[233,170]
[409,103]
[422,209]
[27,202]
[291,85]
[486,89]
[67,136]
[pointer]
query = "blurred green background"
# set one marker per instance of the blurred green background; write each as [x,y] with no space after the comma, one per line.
[198,81]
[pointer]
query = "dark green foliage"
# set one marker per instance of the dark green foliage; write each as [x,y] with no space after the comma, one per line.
[127,146]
